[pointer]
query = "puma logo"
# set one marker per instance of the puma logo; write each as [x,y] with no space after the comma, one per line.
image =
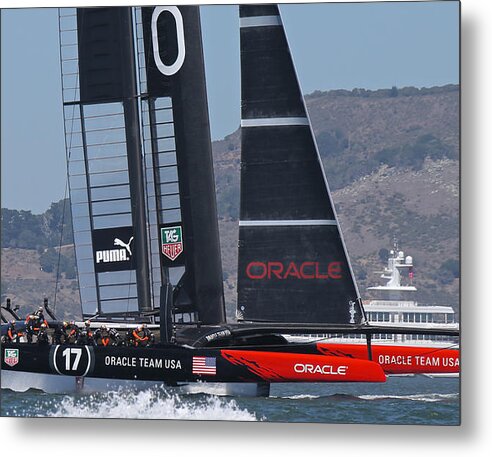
[118,242]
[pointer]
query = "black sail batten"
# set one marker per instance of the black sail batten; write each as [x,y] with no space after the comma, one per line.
[293,265]
[175,109]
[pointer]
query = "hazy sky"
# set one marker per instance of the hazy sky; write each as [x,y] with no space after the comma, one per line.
[366,45]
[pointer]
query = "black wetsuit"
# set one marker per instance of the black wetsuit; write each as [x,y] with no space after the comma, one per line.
[115,336]
[60,334]
[129,339]
[73,333]
[147,333]
[86,337]
[12,335]
[107,337]
[43,336]
[33,324]
[40,315]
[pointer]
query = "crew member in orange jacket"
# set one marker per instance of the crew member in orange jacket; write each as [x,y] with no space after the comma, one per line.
[12,334]
[33,323]
[142,336]
[105,336]
[73,333]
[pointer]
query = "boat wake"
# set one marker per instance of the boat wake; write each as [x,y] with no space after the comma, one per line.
[154,403]
[299,397]
[431,397]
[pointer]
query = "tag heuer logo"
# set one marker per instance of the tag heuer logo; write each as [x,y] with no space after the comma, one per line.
[172,242]
[11,357]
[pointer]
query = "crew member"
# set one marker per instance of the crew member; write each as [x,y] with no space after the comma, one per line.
[115,337]
[33,324]
[60,335]
[39,313]
[105,336]
[149,334]
[73,332]
[86,336]
[13,335]
[142,336]
[101,336]
[129,339]
[43,334]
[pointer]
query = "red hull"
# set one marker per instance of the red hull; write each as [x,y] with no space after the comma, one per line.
[400,359]
[289,367]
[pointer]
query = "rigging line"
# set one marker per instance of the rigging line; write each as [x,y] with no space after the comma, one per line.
[136,58]
[57,277]
[60,245]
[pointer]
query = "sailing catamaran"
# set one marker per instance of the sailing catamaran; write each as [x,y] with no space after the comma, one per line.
[145,219]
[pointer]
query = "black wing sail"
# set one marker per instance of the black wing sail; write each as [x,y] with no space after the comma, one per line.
[293,265]
[178,154]
[140,163]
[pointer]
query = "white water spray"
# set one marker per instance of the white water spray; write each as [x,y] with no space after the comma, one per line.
[152,403]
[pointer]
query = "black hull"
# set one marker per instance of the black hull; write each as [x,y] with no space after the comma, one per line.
[181,364]
[169,365]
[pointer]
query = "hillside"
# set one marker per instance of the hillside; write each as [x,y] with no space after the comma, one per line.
[26,284]
[358,131]
[391,158]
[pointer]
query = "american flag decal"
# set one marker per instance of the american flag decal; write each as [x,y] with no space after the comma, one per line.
[204,365]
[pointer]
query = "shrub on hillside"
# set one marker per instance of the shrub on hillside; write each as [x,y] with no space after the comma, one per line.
[413,155]
[448,271]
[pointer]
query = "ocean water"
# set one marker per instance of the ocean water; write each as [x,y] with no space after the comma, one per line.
[401,400]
